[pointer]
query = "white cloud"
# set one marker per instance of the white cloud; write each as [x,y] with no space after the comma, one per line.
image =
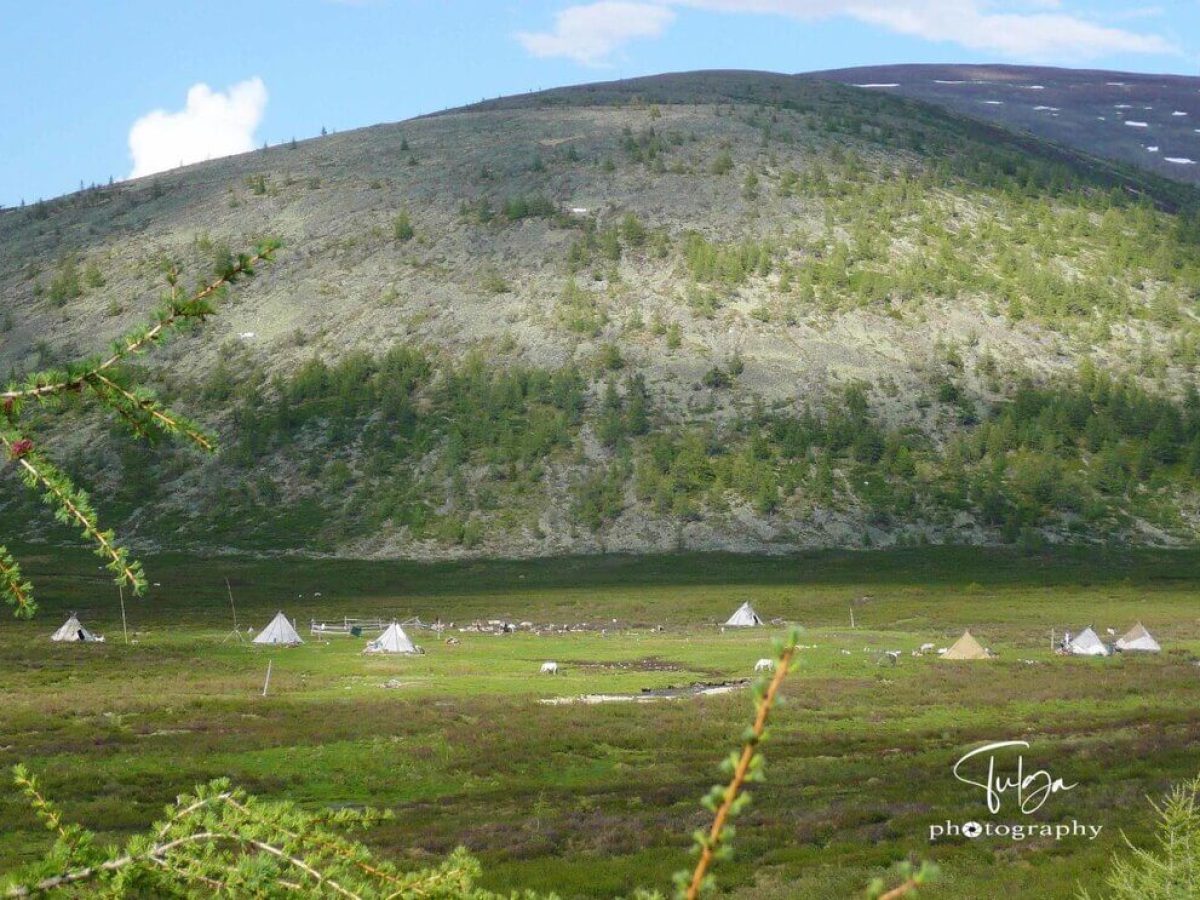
[1030,35]
[589,34]
[211,124]
[1031,30]
[976,24]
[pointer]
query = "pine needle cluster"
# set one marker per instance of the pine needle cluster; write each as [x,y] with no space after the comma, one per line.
[104,381]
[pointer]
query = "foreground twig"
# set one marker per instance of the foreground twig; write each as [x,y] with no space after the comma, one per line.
[102,379]
[747,767]
[196,306]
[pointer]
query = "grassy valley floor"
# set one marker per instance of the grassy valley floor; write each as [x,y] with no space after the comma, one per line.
[593,800]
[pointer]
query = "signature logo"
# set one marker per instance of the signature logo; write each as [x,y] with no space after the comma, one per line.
[1030,789]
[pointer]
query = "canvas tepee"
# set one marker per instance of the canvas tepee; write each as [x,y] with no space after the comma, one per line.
[1138,638]
[393,640]
[280,631]
[966,647]
[745,617]
[1087,643]
[73,630]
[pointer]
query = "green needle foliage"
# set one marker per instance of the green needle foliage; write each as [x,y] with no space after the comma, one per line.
[1171,869]
[223,841]
[103,381]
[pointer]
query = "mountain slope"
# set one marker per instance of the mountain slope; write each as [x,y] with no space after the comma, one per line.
[702,310]
[1151,121]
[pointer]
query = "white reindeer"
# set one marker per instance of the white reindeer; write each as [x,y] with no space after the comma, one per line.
[764,665]
[549,668]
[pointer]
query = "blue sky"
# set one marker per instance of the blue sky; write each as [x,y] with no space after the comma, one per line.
[77,75]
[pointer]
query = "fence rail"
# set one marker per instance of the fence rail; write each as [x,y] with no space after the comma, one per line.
[349,626]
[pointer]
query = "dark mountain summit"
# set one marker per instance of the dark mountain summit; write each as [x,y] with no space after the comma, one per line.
[1151,121]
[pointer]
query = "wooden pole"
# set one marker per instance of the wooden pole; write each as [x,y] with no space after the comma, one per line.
[851,613]
[124,627]
[232,608]
[267,683]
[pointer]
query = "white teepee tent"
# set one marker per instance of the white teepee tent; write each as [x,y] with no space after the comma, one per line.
[1087,643]
[393,640]
[1138,638]
[280,631]
[745,617]
[73,630]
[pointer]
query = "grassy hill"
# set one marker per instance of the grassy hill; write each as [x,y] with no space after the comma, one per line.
[716,310]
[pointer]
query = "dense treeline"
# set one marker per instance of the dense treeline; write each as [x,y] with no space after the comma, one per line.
[1086,454]
[456,452]
[367,424]
[453,450]
[1095,450]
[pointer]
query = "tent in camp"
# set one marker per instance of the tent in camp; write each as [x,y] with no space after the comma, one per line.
[1138,638]
[966,647]
[73,630]
[280,631]
[745,617]
[393,640]
[1087,643]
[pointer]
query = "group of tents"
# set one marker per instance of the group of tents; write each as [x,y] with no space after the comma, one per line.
[279,632]
[392,640]
[1087,643]
[966,647]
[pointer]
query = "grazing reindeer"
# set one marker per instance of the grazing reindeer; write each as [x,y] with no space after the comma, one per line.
[549,668]
[765,665]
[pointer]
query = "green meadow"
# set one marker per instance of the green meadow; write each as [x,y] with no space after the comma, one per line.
[593,800]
